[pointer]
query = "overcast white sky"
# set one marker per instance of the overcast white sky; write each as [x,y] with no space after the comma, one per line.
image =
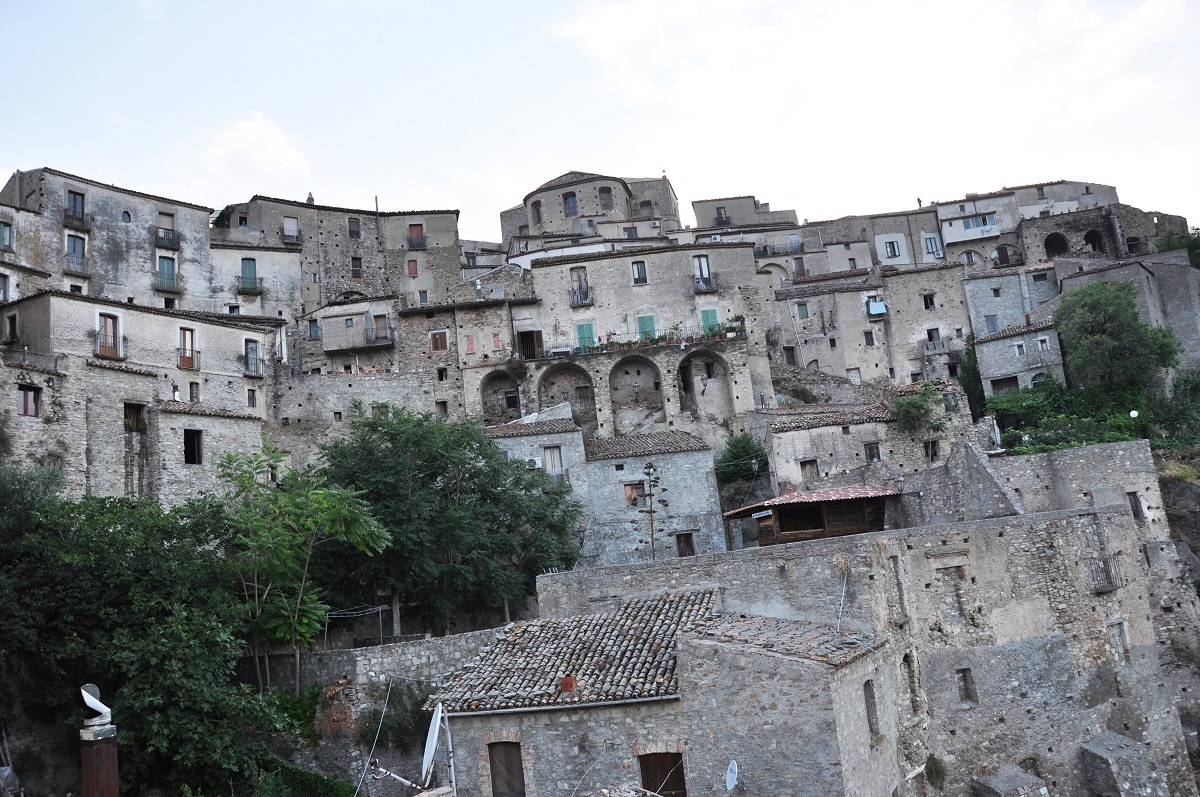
[830,107]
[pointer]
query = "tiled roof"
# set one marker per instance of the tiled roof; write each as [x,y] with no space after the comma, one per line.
[250,323]
[643,445]
[249,247]
[125,369]
[518,429]
[77,178]
[26,269]
[627,654]
[848,416]
[385,213]
[1110,267]
[801,291]
[1009,332]
[572,177]
[543,262]
[797,638]
[195,408]
[1004,271]
[819,496]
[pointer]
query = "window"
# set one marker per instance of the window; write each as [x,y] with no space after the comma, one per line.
[871,452]
[845,430]
[193,447]
[931,450]
[585,334]
[125,217]
[10,329]
[356,268]
[497,342]
[639,272]
[168,303]
[349,323]
[166,274]
[969,257]
[580,294]
[1135,506]
[853,263]
[1020,347]
[508,776]
[314,329]
[412,268]
[645,327]
[992,323]
[243,220]
[995,292]
[868,338]
[802,310]
[928,299]
[75,204]
[6,236]
[635,494]
[685,543]
[75,252]
[933,335]
[833,343]
[892,248]
[316,277]
[442,408]
[704,280]
[353,229]
[188,356]
[470,344]
[662,773]
[439,341]
[629,232]
[1039,277]
[1041,192]
[251,397]
[254,363]
[108,337]
[798,271]
[966,686]
[337,416]
[570,206]
[931,246]
[3,287]
[871,707]
[29,400]
[194,392]
[789,355]
[536,208]
[976,222]
[1043,344]
[422,297]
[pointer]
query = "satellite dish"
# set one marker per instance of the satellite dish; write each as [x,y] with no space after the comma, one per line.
[91,696]
[731,776]
[431,740]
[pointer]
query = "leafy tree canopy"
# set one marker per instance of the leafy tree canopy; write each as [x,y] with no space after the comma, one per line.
[1106,343]
[922,412]
[1191,242]
[743,459]
[466,526]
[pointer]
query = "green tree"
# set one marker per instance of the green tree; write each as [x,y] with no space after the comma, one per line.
[278,529]
[742,460]
[1191,242]
[971,381]
[466,526]
[921,413]
[1107,344]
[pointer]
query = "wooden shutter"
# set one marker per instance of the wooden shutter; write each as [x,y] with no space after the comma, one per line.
[586,334]
[538,347]
[708,319]
[412,268]
[646,327]
[662,773]
[508,776]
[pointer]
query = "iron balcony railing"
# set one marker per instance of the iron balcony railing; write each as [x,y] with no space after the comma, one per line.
[1104,573]
[189,359]
[76,264]
[377,335]
[617,341]
[581,297]
[416,243]
[109,346]
[254,366]
[289,236]
[722,221]
[249,286]
[167,282]
[77,220]
[166,239]
[706,284]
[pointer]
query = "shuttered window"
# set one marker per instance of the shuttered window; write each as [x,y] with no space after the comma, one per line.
[662,773]
[508,776]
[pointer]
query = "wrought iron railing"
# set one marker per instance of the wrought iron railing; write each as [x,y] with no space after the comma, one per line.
[707,284]
[722,221]
[109,346]
[254,366]
[166,239]
[249,286]
[77,220]
[790,248]
[189,359]
[289,236]
[376,335]
[416,243]
[166,282]
[76,264]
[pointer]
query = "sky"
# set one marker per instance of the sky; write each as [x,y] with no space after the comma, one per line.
[828,107]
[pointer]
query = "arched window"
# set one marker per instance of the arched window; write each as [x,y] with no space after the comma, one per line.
[537,212]
[570,206]
[606,200]
[1095,241]
[1056,245]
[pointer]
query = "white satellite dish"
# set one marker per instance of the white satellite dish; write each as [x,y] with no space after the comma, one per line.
[731,781]
[431,740]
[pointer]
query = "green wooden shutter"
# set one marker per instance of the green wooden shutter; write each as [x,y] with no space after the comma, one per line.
[586,335]
[646,327]
[708,320]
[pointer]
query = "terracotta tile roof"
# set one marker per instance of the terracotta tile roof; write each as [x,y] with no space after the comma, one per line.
[248,247]
[249,323]
[796,638]
[573,178]
[627,654]
[195,408]
[845,416]
[819,496]
[1009,332]
[518,429]
[801,291]
[1002,271]
[125,369]
[643,445]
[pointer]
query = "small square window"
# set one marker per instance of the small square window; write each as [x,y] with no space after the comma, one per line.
[439,341]
[243,221]
[337,416]
[442,374]
[349,322]
[1039,277]
[620,466]
[833,343]
[845,430]
[639,272]
[868,338]
[356,268]
[194,392]
[802,311]
[235,309]
[193,447]
[168,304]
[685,543]
[1020,349]
[853,264]
[443,408]
[422,297]
[353,229]
[635,494]
[316,277]
[966,686]
[78,289]
[931,450]
[871,452]
[314,329]
[995,291]
[412,268]
[789,355]
[992,322]
[512,400]
[251,397]
[929,301]
[630,232]
[892,248]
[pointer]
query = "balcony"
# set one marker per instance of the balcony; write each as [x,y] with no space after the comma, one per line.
[933,347]
[770,250]
[254,367]
[167,283]
[76,265]
[581,297]
[188,359]
[77,220]
[289,236]
[249,286]
[166,239]
[109,347]
[1104,573]
[378,336]
[555,477]
[707,284]
[617,342]
[722,221]
[416,243]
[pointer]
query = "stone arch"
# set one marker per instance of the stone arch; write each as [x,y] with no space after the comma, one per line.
[970,257]
[636,391]
[500,396]
[779,274]
[1056,245]
[813,365]
[570,383]
[1039,378]
[1094,241]
[705,386]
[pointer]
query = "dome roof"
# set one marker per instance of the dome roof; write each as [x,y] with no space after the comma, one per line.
[573,178]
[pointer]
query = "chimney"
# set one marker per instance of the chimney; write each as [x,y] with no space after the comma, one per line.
[566,684]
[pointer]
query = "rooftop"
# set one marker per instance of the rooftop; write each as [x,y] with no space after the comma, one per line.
[196,408]
[1008,332]
[130,192]
[796,638]
[626,654]
[335,209]
[644,445]
[815,497]
[519,429]
[836,416]
[572,178]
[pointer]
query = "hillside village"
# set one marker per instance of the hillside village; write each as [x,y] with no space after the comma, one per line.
[886,613]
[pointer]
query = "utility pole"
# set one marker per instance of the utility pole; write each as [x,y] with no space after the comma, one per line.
[652,482]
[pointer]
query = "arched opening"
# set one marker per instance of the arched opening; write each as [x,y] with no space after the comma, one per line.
[501,398]
[813,365]
[571,384]
[704,385]
[1040,379]
[970,257]
[351,296]
[779,274]
[1094,241]
[1056,245]
[635,388]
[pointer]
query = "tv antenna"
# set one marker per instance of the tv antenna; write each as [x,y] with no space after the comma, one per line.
[440,722]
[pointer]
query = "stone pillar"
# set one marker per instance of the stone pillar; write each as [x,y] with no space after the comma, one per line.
[98,757]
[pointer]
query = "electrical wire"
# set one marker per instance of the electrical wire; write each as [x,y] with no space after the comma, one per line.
[378,731]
